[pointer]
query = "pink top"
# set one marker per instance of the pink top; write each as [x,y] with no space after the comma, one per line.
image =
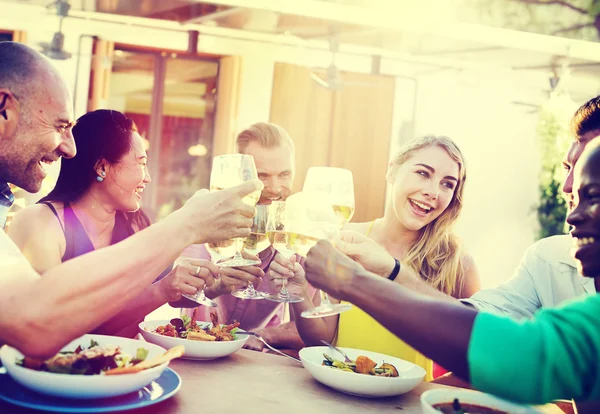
[252,314]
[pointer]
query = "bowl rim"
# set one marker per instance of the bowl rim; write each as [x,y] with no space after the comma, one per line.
[464,391]
[32,372]
[421,370]
[241,338]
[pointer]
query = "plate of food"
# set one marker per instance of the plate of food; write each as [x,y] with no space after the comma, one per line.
[370,374]
[201,340]
[92,366]
[456,400]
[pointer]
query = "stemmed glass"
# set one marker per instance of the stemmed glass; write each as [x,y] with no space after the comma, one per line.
[336,186]
[228,171]
[255,244]
[200,297]
[279,240]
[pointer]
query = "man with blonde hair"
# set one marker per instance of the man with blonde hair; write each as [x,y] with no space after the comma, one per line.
[273,151]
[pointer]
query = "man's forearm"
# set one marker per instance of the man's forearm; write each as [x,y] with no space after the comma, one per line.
[78,295]
[439,330]
[410,280]
[148,301]
[284,336]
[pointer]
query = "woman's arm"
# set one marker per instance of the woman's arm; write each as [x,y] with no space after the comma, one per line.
[38,234]
[471,281]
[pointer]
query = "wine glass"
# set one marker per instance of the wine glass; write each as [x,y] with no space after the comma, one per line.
[199,297]
[228,171]
[336,185]
[255,244]
[279,240]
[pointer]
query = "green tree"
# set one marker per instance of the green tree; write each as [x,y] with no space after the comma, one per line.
[553,142]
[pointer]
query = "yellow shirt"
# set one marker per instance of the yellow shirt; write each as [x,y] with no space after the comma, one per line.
[356,329]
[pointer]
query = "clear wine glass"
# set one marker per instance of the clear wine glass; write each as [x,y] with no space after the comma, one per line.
[255,244]
[279,240]
[228,171]
[200,297]
[335,186]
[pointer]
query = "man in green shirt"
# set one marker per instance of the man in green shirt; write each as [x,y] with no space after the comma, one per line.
[553,356]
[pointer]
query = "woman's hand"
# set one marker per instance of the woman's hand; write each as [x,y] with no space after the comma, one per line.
[366,252]
[282,269]
[187,277]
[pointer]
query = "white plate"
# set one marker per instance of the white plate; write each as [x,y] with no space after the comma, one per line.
[85,386]
[202,350]
[445,395]
[361,385]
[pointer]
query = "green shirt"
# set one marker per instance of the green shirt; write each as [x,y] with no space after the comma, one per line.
[556,355]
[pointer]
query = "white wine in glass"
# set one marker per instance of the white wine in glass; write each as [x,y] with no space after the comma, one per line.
[336,185]
[255,244]
[228,171]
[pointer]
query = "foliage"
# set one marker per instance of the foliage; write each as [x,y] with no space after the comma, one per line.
[576,19]
[553,142]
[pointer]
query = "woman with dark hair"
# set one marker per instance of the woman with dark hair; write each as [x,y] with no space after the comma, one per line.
[96,203]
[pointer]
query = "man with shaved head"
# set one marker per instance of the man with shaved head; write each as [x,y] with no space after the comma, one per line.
[36,117]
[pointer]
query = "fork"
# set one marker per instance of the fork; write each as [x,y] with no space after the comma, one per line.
[335,348]
[260,338]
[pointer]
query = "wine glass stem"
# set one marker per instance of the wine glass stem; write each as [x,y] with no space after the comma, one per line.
[325,299]
[250,288]
[283,293]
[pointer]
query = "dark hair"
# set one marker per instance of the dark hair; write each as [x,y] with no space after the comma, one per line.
[102,134]
[586,118]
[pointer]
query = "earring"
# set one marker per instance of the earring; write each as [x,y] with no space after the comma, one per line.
[100,178]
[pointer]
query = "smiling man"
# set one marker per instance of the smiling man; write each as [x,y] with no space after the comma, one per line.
[35,129]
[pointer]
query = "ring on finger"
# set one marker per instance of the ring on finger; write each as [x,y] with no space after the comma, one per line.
[197,274]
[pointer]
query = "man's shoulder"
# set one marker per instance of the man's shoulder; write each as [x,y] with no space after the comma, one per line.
[554,250]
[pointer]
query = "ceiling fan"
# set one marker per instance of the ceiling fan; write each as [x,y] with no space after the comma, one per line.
[54,49]
[333,78]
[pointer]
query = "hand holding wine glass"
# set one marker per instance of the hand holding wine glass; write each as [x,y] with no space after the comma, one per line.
[228,171]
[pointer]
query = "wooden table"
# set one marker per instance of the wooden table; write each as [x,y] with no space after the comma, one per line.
[250,382]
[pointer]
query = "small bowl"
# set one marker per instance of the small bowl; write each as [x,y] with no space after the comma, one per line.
[199,350]
[85,386]
[447,395]
[361,385]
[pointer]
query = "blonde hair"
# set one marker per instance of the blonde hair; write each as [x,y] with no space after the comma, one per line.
[267,134]
[436,254]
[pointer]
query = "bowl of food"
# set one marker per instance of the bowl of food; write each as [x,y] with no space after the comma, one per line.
[201,340]
[370,374]
[456,400]
[87,367]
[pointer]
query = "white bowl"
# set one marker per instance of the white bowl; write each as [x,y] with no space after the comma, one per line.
[447,395]
[201,350]
[85,386]
[361,385]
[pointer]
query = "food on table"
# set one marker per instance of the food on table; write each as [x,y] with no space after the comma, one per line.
[187,328]
[362,365]
[93,360]
[456,407]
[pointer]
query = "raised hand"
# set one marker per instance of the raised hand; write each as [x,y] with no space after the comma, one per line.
[220,215]
[367,252]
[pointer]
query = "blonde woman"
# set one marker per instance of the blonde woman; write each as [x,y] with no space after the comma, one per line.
[427,180]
